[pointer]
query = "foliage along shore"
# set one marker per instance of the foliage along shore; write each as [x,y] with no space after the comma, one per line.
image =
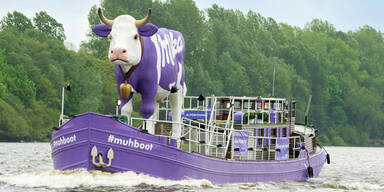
[227,53]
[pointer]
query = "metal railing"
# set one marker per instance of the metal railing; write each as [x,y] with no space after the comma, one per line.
[213,135]
[193,139]
[265,148]
[254,109]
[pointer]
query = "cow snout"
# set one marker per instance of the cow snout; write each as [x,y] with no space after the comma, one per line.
[118,54]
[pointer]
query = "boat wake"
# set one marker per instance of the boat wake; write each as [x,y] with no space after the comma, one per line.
[352,186]
[80,180]
[95,179]
[338,185]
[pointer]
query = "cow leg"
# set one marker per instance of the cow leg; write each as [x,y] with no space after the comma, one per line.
[147,110]
[150,125]
[176,100]
[127,110]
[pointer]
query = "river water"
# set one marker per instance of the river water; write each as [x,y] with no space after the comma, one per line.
[28,167]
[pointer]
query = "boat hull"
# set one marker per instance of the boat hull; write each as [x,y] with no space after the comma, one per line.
[145,153]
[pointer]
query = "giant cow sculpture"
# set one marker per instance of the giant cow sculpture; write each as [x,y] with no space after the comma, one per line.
[148,61]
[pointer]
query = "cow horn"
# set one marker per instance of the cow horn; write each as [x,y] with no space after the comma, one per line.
[144,21]
[106,21]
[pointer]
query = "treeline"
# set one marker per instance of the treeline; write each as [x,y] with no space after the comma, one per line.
[227,53]
[34,65]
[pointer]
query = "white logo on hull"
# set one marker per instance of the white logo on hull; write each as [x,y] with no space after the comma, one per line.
[64,140]
[133,143]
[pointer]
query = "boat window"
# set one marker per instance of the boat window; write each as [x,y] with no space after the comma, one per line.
[284,132]
[293,109]
[259,105]
[266,106]
[274,132]
[286,105]
[218,105]
[278,107]
[273,105]
[237,105]
[248,105]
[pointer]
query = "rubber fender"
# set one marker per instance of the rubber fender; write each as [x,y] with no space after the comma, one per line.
[328,159]
[310,172]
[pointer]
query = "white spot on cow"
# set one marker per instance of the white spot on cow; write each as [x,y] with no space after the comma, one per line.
[158,55]
[161,93]
[167,47]
[171,85]
[179,73]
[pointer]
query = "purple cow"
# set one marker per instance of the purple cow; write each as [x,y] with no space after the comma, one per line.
[149,61]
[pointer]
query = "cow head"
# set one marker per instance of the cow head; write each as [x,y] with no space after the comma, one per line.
[124,35]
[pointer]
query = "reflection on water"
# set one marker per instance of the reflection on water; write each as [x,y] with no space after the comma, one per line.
[28,167]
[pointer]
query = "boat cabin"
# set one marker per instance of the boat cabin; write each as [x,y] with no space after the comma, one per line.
[238,128]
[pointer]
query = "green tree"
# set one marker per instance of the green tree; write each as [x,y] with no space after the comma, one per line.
[16,20]
[49,25]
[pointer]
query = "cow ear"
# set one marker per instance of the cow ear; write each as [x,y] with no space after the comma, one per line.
[148,30]
[101,30]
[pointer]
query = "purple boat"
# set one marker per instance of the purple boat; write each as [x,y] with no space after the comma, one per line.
[221,139]
[225,151]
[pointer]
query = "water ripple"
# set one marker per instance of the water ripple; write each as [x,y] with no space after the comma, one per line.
[28,167]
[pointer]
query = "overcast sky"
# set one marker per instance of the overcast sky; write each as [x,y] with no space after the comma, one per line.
[344,14]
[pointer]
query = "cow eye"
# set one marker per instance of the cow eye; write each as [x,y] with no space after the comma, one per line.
[136,36]
[109,37]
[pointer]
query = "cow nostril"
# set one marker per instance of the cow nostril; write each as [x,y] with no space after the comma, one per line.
[124,51]
[111,51]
